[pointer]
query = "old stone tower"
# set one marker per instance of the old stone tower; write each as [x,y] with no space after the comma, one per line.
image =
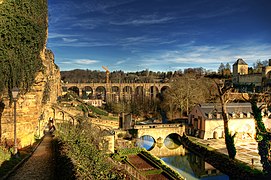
[240,67]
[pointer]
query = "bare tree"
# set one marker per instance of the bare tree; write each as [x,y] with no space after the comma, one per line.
[185,92]
[224,96]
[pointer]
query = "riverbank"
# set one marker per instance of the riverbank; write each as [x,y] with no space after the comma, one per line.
[236,169]
[143,165]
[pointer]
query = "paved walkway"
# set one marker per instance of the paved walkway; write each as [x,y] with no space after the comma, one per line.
[40,165]
[247,149]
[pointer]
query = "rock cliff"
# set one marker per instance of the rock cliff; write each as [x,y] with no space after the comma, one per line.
[34,107]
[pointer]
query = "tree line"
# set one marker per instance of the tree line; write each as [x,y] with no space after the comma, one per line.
[144,76]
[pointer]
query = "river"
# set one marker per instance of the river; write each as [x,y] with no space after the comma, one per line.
[189,165]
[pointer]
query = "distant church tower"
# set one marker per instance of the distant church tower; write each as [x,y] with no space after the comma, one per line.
[240,67]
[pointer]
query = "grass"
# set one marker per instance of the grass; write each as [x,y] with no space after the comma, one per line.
[113,118]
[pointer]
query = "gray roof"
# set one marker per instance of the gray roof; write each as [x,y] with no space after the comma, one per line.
[231,108]
[240,62]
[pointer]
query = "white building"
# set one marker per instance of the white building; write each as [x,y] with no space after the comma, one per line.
[205,121]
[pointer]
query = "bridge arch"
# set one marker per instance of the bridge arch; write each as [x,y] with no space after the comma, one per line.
[100,92]
[127,92]
[87,92]
[115,91]
[148,141]
[268,74]
[172,141]
[164,88]
[153,91]
[75,89]
[139,91]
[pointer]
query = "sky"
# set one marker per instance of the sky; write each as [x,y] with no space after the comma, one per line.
[158,35]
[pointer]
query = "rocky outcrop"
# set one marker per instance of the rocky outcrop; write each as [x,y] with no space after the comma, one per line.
[34,107]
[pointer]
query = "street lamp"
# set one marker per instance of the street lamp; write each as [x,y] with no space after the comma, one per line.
[15,92]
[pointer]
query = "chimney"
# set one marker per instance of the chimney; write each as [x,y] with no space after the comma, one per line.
[210,116]
[248,114]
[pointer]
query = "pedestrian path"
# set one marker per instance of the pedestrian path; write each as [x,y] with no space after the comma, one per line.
[40,166]
[247,149]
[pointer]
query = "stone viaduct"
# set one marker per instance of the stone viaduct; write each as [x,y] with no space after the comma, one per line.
[116,91]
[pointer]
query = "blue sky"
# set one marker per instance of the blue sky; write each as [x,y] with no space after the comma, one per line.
[159,35]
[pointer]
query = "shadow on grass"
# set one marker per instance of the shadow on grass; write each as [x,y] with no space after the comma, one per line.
[64,168]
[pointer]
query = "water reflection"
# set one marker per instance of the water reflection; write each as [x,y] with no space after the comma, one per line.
[192,166]
[186,163]
[172,141]
[146,142]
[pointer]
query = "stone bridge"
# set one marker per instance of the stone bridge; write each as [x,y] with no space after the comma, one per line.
[115,91]
[159,132]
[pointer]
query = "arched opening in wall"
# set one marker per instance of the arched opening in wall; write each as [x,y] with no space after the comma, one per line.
[172,141]
[139,93]
[100,93]
[87,93]
[162,93]
[74,89]
[164,88]
[215,135]
[115,93]
[153,92]
[268,75]
[127,93]
[147,142]
[64,89]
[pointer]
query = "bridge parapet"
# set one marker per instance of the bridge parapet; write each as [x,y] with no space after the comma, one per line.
[148,126]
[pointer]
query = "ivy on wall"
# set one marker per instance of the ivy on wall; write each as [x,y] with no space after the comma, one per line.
[23,28]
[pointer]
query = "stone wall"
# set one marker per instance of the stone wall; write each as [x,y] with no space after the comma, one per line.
[34,107]
[251,79]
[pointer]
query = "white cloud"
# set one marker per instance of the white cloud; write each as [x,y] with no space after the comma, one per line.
[208,57]
[144,20]
[57,35]
[120,62]
[86,61]
[69,40]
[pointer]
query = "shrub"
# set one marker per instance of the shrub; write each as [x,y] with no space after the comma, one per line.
[82,144]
